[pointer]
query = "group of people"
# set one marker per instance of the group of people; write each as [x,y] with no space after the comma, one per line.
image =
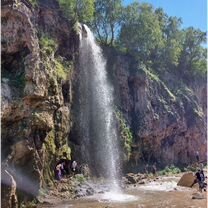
[64,167]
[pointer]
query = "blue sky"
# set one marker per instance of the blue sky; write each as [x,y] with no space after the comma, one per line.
[192,12]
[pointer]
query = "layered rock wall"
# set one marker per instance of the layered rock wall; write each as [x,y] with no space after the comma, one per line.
[168,120]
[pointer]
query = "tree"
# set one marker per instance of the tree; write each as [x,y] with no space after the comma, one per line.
[193,57]
[140,32]
[173,42]
[162,18]
[78,10]
[108,16]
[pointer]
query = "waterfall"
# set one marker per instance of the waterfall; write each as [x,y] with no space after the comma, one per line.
[96,117]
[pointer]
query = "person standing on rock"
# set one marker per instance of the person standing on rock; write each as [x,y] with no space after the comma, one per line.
[154,169]
[58,171]
[201,166]
[74,166]
[66,164]
[197,156]
[146,168]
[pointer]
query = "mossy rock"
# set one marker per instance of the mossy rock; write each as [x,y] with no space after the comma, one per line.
[43,120]
[65,149]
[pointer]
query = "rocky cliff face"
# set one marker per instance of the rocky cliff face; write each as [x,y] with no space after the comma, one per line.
[167,118]
[38,55]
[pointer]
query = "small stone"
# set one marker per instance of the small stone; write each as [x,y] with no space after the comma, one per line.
[198,196]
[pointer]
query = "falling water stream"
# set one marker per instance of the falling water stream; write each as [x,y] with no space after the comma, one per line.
[96,111]
[97,121]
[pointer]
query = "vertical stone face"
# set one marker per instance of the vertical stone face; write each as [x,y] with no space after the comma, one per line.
[36,99]
[8,191]
[168,124]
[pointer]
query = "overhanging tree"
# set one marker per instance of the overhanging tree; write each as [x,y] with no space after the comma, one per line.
[108,17]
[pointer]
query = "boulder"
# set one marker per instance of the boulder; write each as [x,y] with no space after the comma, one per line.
[186,180]
[131,178]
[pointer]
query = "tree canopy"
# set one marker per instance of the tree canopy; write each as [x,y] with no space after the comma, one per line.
[107,19]
[78,10]
[149,34]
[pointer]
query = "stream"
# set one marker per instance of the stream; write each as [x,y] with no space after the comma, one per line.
[161,193]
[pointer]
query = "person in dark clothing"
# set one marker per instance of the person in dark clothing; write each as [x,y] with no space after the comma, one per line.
[200,179]
[146,168]
[154,169]
[197,156]
[58,171]
[66,164]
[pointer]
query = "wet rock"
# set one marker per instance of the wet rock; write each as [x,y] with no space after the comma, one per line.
[84,190]
[132,178]
[90,191]
[141,182]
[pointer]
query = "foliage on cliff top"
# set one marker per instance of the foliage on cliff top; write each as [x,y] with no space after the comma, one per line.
[149,34]
[78,10]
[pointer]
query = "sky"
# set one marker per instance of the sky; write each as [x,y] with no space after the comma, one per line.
[192,12]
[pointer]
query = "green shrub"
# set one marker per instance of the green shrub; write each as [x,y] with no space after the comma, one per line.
[78,10]
[125,132]
[170,170]
[63,68]
[60,70]
[47,45]
[80,178]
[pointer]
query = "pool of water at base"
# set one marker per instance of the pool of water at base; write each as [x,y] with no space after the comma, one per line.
[156,194]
